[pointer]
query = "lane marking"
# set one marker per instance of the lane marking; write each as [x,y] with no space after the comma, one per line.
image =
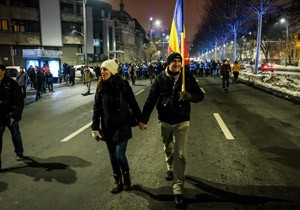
[139,92]
[203,90]
[223,127]
[69,137]
[76,132]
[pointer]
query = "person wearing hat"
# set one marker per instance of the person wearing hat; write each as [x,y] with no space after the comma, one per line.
[88,77]
[173,107]
[225,74]
[114,103]
[11,108]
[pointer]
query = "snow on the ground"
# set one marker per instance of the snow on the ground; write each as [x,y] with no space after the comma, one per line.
[288,83]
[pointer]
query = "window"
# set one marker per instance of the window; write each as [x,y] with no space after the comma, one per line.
[25,26]
[18,26]
[68,27]
[67,8]
[3,25]
[27,3]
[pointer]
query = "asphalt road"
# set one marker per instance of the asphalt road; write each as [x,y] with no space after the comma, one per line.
[243,153]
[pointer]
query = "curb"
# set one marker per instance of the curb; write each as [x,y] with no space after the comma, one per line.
[272,91]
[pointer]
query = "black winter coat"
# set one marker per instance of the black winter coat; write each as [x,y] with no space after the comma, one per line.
[225,71]
[11,100]
[165,95]
[111,111]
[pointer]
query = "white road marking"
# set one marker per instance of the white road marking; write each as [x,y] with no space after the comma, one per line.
[76,132]
[69,137]
[223,127]
[139,92]
[203,90]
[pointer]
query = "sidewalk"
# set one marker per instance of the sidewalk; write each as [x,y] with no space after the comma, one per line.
[31,91]
[30,95]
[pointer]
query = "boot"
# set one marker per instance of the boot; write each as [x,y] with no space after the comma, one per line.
[118,185]
[127,182]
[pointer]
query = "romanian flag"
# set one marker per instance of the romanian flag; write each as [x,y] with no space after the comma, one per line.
[177,41]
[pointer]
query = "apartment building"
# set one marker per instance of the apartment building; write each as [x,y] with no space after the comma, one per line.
[46,29]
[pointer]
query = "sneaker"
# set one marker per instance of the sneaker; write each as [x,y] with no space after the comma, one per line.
[178,199]
[169,176]
[20,157]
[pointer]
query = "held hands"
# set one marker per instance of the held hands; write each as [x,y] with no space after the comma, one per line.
[185,96]
[96,135]
[11,121]
[142,126]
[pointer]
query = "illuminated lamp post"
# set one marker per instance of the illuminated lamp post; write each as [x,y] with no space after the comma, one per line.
[84,34]
[284,20]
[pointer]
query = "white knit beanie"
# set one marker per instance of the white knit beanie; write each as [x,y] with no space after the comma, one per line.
[111,65]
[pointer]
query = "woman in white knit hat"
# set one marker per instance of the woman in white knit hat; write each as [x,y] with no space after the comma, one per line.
[114,106]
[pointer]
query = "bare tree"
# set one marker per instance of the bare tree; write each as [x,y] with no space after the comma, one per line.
[260,8]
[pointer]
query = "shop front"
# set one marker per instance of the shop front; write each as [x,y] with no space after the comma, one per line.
[40,58]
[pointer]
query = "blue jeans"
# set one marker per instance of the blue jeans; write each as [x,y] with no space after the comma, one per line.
[118,157]
[15,135]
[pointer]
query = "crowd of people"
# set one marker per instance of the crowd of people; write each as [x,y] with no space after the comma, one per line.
[41,79]
[115,107]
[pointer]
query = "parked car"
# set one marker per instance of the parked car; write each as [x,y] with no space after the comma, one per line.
[266,67]
[245,65]
[12,71]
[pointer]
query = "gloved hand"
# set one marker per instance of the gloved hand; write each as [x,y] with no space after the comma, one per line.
[185,96]
[97,135]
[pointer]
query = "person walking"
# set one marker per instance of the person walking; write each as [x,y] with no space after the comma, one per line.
[225,74]
[151,72]
[88,77]
[173,107]
[236,71]
[49,81]
[22,80]
[111,120]
[72,75]
[11,108]
[132,73]
[37,79]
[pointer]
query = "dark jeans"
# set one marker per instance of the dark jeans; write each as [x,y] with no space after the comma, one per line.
[37,94]
[23,88]
[235,76]
[72,80]
[133,78]
[225,82]
[50,86]
[118,157]
[15,135]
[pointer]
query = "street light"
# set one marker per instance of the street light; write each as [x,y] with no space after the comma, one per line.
[151,26]
[284,20]
[157,23]
[84,34]
[77,32]
[84,44]
[165,41]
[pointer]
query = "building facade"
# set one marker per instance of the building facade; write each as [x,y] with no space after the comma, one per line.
[58,25]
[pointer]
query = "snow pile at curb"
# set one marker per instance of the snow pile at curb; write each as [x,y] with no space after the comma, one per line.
[288,84]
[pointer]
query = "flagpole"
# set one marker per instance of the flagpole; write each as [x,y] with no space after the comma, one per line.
[183,61]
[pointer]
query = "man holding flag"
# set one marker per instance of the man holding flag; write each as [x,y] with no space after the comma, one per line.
[172,92]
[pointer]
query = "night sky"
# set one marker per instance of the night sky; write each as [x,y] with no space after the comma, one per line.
[163,10]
